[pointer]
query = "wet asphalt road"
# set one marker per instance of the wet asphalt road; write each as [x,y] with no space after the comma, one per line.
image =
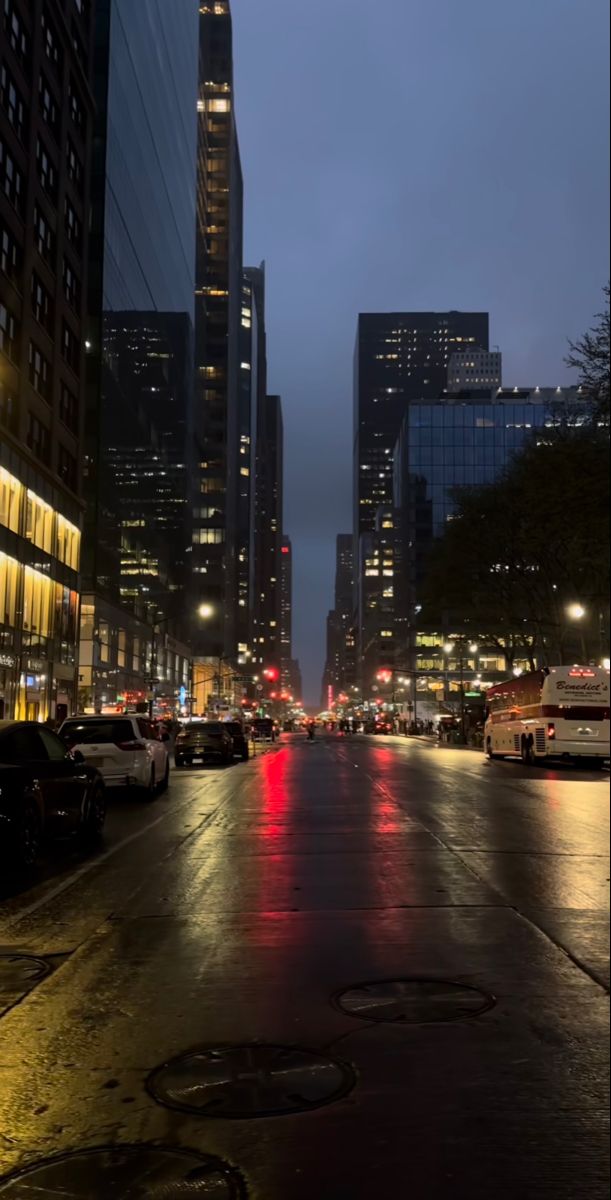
[236,910]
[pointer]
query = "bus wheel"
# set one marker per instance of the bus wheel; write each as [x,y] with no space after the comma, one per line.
[528,752]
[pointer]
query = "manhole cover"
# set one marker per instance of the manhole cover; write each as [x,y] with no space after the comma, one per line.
[126,1173]
[238,1082]
[20,972]
[413,1001]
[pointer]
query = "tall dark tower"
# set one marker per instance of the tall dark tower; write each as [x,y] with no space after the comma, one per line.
[218,304]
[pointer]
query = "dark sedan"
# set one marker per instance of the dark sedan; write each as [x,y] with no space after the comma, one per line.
[44,792]
[204,740]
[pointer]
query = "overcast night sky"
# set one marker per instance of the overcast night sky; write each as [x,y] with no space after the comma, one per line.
[412,154]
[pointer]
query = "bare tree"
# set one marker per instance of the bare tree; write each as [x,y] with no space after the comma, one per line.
[590,356]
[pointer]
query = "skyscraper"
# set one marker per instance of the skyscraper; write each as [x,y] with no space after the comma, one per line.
[221,375]
[253,389]
[268,532]
[400,358]
[46,126]
[340,665]
[286,614]
[142,263]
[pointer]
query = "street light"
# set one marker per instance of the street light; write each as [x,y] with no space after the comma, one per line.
[449,648]
[206,612]
[576,612]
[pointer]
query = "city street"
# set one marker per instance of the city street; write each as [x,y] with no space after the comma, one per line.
[248,909]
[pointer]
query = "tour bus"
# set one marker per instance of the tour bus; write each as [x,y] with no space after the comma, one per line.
[555,713]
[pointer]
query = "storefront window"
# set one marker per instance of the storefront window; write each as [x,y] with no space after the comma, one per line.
[39,523]
[104,638]
[11,493]
[9,575]
[37,603]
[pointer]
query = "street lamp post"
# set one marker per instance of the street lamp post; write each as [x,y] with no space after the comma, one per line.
[449,648]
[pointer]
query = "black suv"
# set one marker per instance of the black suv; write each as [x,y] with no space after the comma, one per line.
[240,740]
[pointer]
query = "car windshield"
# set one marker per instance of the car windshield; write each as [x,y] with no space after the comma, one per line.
[87,733]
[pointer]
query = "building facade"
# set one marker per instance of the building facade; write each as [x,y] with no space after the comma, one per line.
[267,648]
[475,369]
[140,310]
[400,358]
[286,614]
[46,129]
[222,378]
[444,446]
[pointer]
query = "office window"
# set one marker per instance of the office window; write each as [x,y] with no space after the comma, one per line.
[42,304]
[48,106]
[44,238]
[9,577]
[10,254]
[74,166]
[11,179]
[47,173]
[9,333]
[77,109]
[67,468]
[39,373]
[16,31]
[73,225]
[72,285]
[71,348]
[38,439]
[11,495]
[208,537]
[51,45]
[39,523]
[68,408]
[8,407]
[12,101]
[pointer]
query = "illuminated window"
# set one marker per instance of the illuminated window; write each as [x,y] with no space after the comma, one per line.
[9,576]
[68,541]
[11,494]
[104,641]
[219,106]
[208,537]
[38,603]
[39,523]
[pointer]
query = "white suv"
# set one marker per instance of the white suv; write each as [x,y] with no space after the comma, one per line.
[125,749]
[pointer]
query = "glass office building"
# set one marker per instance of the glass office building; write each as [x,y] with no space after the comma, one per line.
[146,94]
[140,370]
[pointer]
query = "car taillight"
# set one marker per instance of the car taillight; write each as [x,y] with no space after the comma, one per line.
[551,732]
[131,746]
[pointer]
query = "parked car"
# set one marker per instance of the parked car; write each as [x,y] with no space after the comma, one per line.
[126,750]
[240,740]
[263,730]
[44,791]
[204,740]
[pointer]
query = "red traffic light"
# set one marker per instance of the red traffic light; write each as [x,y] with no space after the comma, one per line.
[272,674]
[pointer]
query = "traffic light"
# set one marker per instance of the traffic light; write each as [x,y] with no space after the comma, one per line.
[272,674]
